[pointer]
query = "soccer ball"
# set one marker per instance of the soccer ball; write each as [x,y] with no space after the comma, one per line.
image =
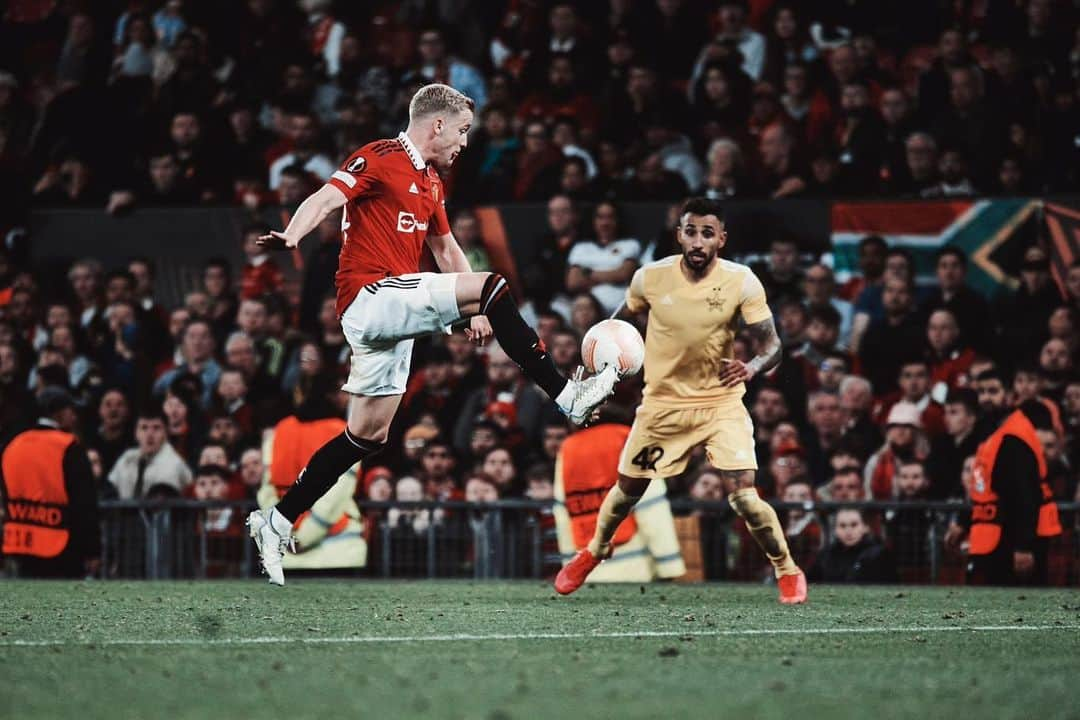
[613,342]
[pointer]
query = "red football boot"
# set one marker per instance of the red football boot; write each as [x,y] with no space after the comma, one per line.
[792,588]
[574,573]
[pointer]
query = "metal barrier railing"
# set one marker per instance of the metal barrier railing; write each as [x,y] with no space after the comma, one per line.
[516,539]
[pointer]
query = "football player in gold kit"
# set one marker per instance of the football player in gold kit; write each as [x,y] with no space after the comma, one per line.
[694,388]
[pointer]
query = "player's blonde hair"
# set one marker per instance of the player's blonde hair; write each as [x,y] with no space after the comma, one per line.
[438,98]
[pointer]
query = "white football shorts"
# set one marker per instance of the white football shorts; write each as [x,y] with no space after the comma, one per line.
[382,321]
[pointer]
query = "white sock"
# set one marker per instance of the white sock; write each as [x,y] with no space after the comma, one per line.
[280,523]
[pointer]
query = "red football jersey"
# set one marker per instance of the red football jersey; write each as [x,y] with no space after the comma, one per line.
[395,200]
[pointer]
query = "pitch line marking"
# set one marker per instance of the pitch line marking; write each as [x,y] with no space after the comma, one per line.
[466,637]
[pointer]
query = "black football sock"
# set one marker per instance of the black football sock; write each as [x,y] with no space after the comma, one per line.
[517,339]
[329,463]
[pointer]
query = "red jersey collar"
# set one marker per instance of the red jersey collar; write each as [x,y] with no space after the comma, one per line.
[411,151]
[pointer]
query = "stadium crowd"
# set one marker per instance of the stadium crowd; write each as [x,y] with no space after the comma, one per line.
[885,389]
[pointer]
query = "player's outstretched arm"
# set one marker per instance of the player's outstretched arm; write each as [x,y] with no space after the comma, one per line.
[307,217]
[769,346]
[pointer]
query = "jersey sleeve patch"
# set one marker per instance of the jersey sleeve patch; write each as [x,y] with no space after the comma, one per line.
[357,164]
[345,177]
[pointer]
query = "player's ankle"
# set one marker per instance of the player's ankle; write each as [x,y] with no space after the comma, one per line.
[279,522]
[597,548]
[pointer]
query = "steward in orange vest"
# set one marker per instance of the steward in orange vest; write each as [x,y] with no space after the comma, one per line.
[1012,507]
[50,501]
[329,535]
[645,545]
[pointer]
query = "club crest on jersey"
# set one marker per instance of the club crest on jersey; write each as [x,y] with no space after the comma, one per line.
[407,222]
[715,301]
[356,165]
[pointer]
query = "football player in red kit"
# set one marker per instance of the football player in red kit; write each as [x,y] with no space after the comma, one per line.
[394,202]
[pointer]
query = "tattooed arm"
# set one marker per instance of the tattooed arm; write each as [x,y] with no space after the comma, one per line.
[768,357]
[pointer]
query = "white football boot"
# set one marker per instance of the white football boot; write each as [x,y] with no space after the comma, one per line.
[271,544]
[590,393]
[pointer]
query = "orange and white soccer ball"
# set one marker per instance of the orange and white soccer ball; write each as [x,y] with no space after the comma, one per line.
[613,342]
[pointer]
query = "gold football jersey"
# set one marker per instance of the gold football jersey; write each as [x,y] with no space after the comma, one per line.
[691,328]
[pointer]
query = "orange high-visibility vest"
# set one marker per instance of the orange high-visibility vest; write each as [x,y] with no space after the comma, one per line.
[985,519]
[590,461]
[35,494]
[294,444]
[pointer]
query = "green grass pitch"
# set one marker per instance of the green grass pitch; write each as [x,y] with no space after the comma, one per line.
[363,649]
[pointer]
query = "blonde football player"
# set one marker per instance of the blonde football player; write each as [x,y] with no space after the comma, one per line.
[694,388]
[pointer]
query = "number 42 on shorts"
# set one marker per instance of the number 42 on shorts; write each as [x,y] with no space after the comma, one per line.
[648,457]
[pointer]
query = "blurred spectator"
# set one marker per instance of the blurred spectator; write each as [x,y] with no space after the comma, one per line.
[855,556]
[903,441]
[861,141]
[897,124]
[538,164]
[907,529]
[948,451]
[781,276]
[486,526]
[921,160]
[304,136]
[751,45]
[260,274]
[803,530]
[823,435]
[651,181]
[725,175]
[408,523]
[845,485]
[950,361]
[952,293]
[819,290]
[112,434]
[935,82]
[822,332]
[955,180]
[251,471]
[890,339]
[466,229]
[437,468]
[782,175]
[914,383]
[498,463]
[436,65]
[490,165]
[788,43]
[152,468]
[196,353]
[1020,317]
[603,266]
[505,384]
[563,97]
[544,278]
[1055,366]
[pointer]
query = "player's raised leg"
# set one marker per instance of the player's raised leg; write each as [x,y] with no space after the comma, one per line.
[365,433]
[488,294]
[762,522]
[617,504]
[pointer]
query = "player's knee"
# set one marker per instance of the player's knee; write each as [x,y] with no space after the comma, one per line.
[737,479]
[368,433]
[633,487]
[747,505]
